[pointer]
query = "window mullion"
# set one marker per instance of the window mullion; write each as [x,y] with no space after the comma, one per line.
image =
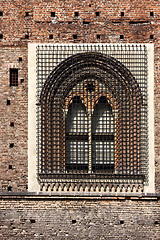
[90,141]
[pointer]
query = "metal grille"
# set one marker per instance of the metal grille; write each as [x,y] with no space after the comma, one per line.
[76,136]
[13,77]
[102,136]
[92,112]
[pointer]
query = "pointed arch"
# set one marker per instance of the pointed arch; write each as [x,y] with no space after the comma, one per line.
[76,136]
[103,134]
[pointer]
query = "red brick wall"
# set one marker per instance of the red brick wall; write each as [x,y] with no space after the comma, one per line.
[16,112]
[136,26]
[79,219]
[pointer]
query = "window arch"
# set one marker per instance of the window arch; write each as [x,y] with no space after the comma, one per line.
[76,137]
[103,129]
[100,138]
[90,121]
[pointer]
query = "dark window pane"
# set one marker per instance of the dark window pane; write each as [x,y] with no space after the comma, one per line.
[76,136]
[13,77]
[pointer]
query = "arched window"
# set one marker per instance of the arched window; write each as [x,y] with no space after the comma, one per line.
[103,136]
[76,136]
[79,138]
[91,117]
[91,129]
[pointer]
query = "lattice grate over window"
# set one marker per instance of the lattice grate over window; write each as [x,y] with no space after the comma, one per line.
[92,113]
[13,77]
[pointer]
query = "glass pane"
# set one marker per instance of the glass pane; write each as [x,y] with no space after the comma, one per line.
[77,121]
[103,119]
[103,152]
[102,136]
[77,136]
[77,152]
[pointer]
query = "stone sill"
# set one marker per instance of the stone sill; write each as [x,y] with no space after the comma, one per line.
[78,196]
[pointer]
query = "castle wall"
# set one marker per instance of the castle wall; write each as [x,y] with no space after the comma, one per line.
[50,218]
[95,219]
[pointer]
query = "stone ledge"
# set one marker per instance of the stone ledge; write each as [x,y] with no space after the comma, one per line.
[79,196]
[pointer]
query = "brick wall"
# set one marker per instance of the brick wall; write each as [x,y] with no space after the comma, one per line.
[136,26]
[95,220]
[16,112]
[79,219]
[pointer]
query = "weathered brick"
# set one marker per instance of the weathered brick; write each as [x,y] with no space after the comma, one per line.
[53,219]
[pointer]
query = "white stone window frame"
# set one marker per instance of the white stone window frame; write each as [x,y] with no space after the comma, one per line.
[33,184]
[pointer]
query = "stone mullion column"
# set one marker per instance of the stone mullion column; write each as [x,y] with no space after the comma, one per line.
[90,140]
